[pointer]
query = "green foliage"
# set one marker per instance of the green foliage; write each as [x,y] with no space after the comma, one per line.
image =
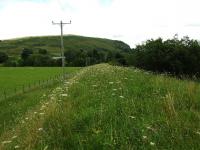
[26,53]
[179,57]
[40,60]
[90,57]
[3,57]
[42,51]
[28,58]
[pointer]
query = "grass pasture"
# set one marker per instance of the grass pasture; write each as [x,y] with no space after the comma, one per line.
[108,107]
[12,78]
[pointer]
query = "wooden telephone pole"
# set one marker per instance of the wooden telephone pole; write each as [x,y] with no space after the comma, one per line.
[62,45]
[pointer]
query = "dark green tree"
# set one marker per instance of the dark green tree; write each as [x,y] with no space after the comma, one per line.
[26,53]
[42,51]
[3,57]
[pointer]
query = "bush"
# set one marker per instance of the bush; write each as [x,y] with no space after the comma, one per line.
[26,53]
[42,51]
[3,57]
[179,57]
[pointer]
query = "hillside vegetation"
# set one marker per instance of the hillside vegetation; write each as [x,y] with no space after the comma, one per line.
[52,44]
[108,107]
[45,51]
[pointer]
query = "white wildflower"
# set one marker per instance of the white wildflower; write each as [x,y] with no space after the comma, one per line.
[14,137]
[58,88]
[46,147]
[17,146]
[132,117]
[6,142]
[150,128]
[121,96]
[152,143]
[144,137]
[64,95]
[198,132]
[40,129]
[52,98]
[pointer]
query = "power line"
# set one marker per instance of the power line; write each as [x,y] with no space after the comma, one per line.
[62,44]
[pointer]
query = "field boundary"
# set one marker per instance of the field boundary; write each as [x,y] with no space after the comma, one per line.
[6,94]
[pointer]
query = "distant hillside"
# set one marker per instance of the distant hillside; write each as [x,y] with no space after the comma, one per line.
[52,44]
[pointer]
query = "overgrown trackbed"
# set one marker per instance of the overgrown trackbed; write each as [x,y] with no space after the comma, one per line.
[108,107]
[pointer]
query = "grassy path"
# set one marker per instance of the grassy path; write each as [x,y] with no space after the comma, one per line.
[107,107]
[30,127]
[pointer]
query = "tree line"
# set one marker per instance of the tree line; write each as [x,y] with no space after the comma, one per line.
[173,56]
[76,58]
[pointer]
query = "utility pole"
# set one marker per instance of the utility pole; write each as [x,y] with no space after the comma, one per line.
[62,45]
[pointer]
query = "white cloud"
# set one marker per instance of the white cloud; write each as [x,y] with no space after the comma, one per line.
[132,21]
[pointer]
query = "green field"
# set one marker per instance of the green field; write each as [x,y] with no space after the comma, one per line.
[12,78]
[108,107]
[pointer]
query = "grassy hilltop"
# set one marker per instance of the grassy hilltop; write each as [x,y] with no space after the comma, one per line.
[52,44]
[108,107]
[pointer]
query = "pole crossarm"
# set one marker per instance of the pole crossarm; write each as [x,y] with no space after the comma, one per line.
[55,23]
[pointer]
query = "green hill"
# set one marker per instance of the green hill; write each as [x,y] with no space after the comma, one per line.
[52,44]
[110,107]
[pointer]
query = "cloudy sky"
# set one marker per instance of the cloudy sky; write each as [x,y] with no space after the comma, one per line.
[132,21]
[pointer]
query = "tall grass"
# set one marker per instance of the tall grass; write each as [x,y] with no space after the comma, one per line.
[107,107]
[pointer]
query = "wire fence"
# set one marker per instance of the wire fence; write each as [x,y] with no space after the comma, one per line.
[5,94]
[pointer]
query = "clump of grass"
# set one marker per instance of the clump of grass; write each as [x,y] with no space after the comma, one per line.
[169,106]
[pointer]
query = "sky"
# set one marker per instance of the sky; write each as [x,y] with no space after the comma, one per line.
[132,21]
